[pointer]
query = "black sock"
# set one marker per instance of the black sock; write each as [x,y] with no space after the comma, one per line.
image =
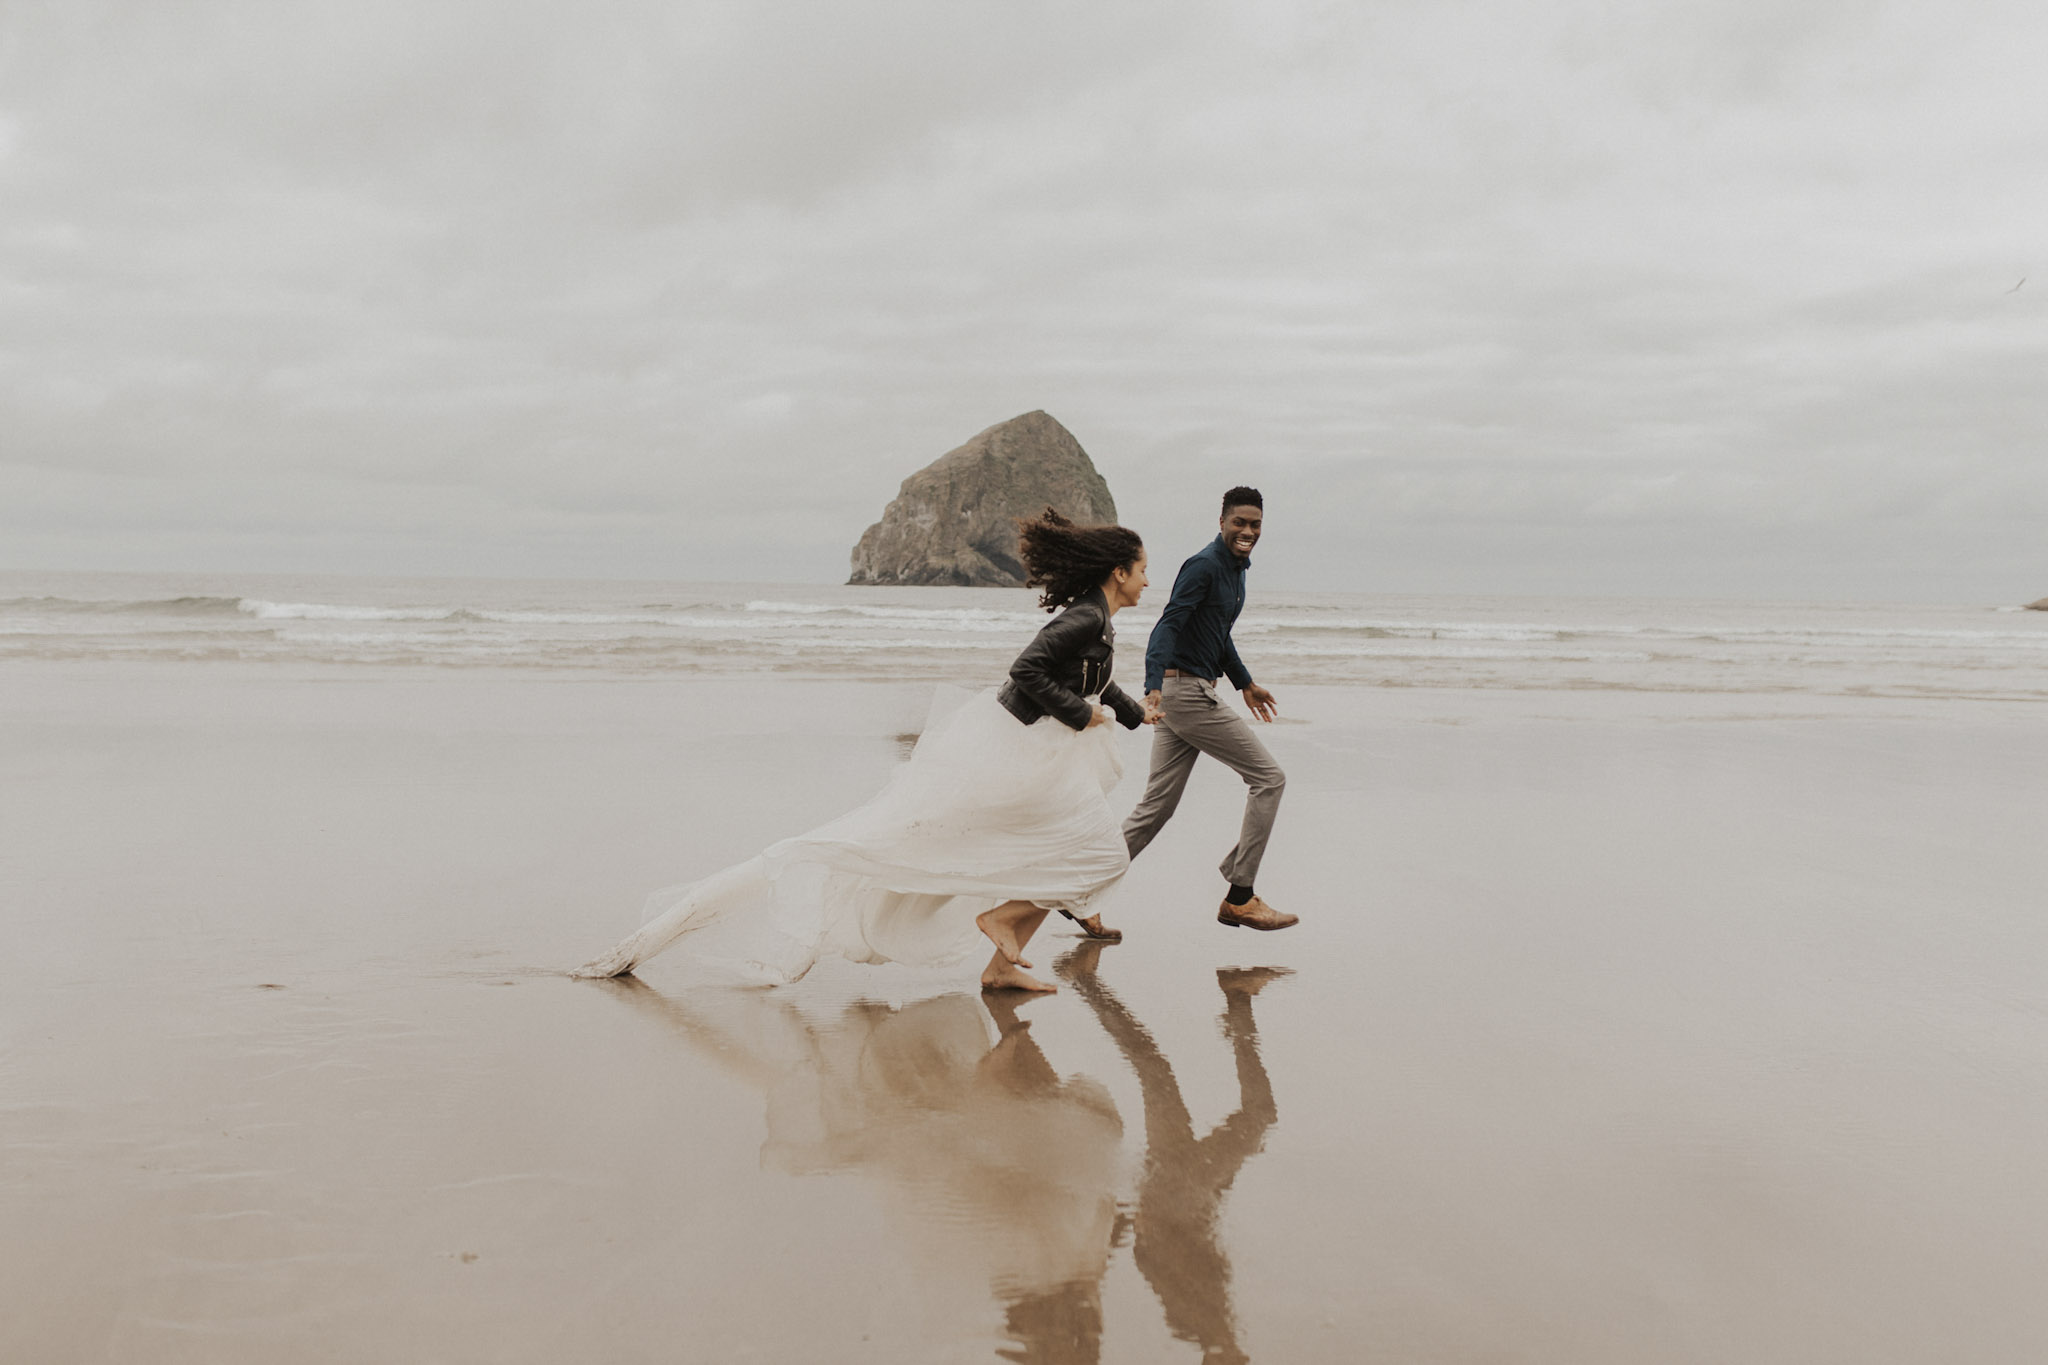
[1238,894]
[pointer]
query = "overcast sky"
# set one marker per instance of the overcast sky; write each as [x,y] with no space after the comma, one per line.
[1692,299]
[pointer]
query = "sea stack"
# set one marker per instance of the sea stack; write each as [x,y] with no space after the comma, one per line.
[954,522]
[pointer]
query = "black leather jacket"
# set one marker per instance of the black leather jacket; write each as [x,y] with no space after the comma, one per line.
[1067,661]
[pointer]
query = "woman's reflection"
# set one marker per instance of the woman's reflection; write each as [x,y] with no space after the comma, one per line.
[991,1165]
[993,1168]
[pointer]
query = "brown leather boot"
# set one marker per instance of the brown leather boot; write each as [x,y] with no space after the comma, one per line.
[1255,914]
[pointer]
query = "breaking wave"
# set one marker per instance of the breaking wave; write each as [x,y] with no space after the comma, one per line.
[969,635]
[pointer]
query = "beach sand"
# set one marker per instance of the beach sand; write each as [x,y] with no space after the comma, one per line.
[1621,1027]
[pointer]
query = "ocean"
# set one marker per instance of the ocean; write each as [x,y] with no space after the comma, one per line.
[968,635]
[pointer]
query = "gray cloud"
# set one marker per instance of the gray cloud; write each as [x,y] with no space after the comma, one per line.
[1578,299]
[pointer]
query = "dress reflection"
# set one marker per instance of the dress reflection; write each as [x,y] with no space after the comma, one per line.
[998,1174]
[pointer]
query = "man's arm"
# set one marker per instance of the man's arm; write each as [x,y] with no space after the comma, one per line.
[1257,698]
[1190,587]
[1233,667]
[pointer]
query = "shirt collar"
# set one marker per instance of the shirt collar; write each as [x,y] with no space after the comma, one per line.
[1230,561]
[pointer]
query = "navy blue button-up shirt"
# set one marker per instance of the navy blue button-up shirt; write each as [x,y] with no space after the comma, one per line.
[1193,634]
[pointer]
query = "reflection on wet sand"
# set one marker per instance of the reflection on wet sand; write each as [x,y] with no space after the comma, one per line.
[1180,1194]
[998,1175]
[993,1169]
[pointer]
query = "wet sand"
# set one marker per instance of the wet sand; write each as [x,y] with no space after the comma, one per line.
[1620,1027]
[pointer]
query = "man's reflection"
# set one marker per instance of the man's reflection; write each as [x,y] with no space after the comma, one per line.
[1180,1194]
[992,1166]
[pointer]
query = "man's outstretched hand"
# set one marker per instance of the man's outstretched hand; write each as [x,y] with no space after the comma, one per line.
[1261,702]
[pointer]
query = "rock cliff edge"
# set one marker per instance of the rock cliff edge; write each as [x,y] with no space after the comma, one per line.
[954,521]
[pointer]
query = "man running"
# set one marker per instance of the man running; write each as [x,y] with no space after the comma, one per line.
[1190,648]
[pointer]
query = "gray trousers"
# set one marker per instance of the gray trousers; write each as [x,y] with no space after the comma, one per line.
[1198,722]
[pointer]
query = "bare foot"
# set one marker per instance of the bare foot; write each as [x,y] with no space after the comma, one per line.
[1002,933]
[1249,980]
[1007,978]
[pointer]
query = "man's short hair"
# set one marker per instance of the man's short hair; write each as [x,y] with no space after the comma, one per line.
[1241,496]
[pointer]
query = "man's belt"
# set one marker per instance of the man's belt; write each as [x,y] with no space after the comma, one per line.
[1183,673]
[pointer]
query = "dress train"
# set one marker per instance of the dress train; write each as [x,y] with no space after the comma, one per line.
[986,810]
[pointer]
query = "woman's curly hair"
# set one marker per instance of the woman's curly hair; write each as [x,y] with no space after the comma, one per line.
[1066,560]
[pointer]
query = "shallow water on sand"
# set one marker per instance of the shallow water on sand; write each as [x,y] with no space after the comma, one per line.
[1620,1027]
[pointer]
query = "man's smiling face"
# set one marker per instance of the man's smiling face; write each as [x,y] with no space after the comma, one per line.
[1241,528]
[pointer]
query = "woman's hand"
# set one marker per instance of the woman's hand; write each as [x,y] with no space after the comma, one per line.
[1098,716]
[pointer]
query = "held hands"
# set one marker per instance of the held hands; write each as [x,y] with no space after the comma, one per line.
[1155,707]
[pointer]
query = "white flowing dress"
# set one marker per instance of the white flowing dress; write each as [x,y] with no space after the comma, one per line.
[987,810]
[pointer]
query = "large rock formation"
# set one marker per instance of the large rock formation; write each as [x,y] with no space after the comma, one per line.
[2041,605]
[954,521]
